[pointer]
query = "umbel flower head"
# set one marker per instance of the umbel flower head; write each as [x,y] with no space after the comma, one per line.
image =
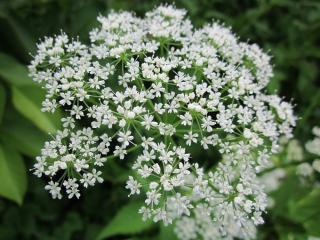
[156,86]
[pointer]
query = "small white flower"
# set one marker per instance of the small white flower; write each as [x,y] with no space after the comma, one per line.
[186,119]
[316,165]
[304,169]
[148,122]
[120,151]
[125,138]
[54,189]
[77,111]
[133,186]
[191,138]
[152,198]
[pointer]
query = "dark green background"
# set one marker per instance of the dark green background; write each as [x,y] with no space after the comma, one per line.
[289,29]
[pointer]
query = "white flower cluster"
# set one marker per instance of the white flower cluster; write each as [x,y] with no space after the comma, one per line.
[156,86]
[76,154]
[228,201]
[313,146]
[308,169]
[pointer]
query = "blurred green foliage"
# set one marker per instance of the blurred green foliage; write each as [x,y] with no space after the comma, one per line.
[289,29]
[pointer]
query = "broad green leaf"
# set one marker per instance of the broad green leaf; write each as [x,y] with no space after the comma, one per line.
[126,221]
[13,180]
[18,34]
[307,207]
[24,38]
[166,232]
[2,101]
[13,72]
[290,192]
[307,211]
[17,131]
[27,101]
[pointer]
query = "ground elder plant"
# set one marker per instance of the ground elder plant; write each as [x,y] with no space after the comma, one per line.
[156,86]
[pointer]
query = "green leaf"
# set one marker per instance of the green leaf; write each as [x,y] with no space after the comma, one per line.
[17,131]
[307,211]
[13,72]
[27,101]
[290,192]
[307,207]
[166,232]
[13,180]
[126,221]
[2,101]
[18,33]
